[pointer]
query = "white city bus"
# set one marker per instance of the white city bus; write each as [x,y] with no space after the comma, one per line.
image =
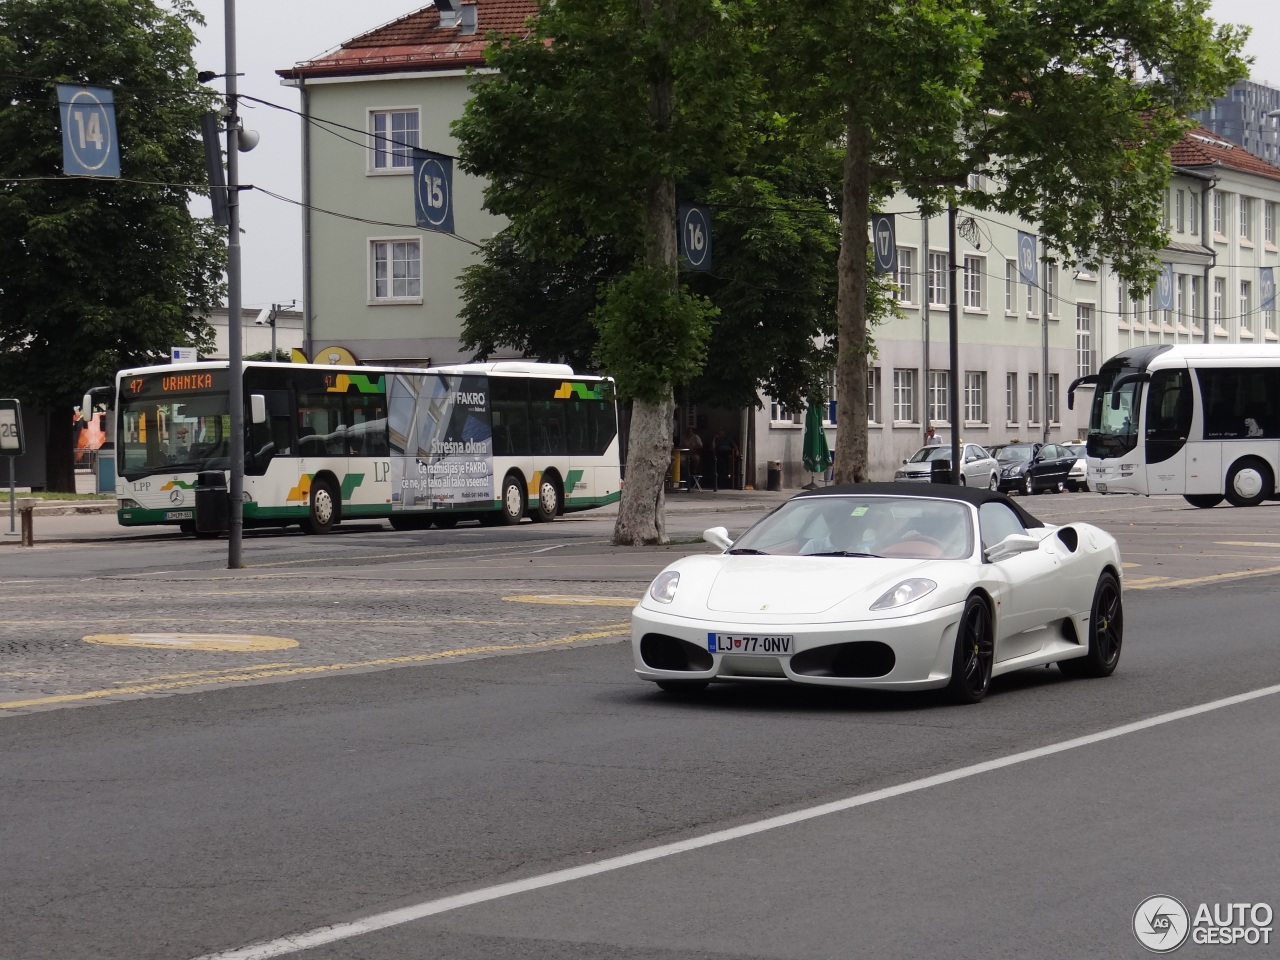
[1200,420]
[492,442]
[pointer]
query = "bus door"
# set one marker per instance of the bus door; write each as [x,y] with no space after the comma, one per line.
[1168,425]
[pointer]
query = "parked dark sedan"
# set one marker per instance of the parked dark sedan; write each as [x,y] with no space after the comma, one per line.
[1034,467]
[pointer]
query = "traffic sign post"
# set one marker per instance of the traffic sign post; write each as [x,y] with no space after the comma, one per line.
[12,444]
[89,144]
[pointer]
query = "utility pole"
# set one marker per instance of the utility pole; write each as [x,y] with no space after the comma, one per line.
[953,325]
[235,349]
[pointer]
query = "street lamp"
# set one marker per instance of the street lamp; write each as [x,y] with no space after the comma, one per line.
[269,317]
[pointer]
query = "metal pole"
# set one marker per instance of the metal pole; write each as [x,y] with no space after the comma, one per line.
[275,309]
[1044,358]
[924,312]
[953,324]
[12,494]
[235,484]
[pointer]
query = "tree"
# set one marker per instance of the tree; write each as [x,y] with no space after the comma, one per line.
[97,275]
[1069,106]
[592,120]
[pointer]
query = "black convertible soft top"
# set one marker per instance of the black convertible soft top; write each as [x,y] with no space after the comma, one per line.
[935,491]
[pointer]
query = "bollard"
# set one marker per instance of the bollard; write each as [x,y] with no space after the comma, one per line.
[26,507]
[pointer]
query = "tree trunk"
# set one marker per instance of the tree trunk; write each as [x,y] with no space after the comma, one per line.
[59,457]
[851,304]
[651,440]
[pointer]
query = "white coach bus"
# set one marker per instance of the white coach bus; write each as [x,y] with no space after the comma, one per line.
[1200,420]
[492,442]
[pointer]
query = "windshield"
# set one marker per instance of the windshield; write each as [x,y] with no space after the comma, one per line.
[176,433]
[912,527]
[1113,415]
[930,453]
[1075,449]
[1015,454]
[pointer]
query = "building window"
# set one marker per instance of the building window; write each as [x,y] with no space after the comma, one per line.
[829,388]
[939,400]
[1197,304]
[975,396]
[906,275]
[1246,308]
[1011,397]
[938,279]
[1051,289]
[1033,398]
[779,414]
[1269,223]
[395,134]
[1180,292]
[1219,299]
[1011,287]
[1164,220]
[1033,291]
[1269,320]
[1051,397]
[1193,214]
[397,269]
[904,396]
[1219,214]
[1084,340]
[1246,219]
[873,395]
[1179,201]
[975,269]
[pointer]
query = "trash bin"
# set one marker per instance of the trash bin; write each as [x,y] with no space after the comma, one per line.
[213,505]
[940,471]
[775,475]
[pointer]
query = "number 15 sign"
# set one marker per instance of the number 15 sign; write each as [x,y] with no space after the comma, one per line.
[89,144]
[433,191]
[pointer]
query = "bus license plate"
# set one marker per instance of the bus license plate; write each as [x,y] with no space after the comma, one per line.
[736,643]
[179,515]
[1100,487]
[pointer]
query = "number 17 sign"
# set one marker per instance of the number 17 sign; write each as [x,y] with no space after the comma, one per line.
[89,144]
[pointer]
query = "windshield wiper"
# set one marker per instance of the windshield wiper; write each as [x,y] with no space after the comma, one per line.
[747,550]
[842,553]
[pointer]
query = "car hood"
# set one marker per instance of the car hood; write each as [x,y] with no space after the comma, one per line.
[802,586]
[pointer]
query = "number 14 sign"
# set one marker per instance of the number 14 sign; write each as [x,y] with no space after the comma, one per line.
[89,144]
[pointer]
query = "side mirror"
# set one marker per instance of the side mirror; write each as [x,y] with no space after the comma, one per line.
[257,408]
[904,460]
[718,537]
[1011,546]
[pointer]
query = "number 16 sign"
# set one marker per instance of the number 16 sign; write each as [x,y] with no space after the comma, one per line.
[89,144]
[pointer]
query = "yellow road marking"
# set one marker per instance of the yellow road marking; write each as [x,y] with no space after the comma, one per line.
[1211,578]
[610,630]
[187,619]
[249,643]
[187,592]
[568,599]
[1129,563]
[1243,543]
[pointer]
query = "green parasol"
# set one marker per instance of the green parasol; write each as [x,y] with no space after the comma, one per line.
[817,456]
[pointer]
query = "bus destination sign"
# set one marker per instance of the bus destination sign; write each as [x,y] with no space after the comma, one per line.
[159,384]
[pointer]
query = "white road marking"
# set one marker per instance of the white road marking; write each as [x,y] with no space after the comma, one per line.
[392,918]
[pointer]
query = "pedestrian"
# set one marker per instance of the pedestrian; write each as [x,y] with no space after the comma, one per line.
[931,438]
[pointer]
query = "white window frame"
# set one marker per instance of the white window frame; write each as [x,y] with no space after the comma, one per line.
[1033,399]
[1051,290]
[904,395]
[1196,305]
[1220,215]
[906,278]
[873,395]
[1011,279]
[975,271]
[975,396]
[938,396]
[1011,398]
[1051,398]
[1219,299]
[937,279]
[390,297]
[1193,214]
[386,156]
[1246,219]
[1179,203]
[1269,223]
[1246,310]
[780,416]
[1084,339]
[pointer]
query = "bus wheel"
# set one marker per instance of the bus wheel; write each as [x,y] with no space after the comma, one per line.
[548,506]
[1249,482]
[1203,500]
[512,500]
[324,508]
[444,521]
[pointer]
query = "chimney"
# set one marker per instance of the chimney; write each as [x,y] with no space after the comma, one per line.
[448,12]
[468,16]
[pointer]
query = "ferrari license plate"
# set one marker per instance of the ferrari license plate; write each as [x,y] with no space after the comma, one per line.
[736,643]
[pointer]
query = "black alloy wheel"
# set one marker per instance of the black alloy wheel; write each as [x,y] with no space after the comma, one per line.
[1106,632]
[974,654]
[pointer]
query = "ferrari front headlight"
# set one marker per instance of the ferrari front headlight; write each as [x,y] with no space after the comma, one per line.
[905,592]
[663,589]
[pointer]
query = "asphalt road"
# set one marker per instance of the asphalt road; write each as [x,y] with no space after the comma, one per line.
[469,719]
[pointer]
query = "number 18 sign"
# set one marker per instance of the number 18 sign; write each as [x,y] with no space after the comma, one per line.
[89,144]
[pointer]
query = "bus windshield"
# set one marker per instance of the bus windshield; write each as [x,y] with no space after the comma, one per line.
[176,433]
[1113,416]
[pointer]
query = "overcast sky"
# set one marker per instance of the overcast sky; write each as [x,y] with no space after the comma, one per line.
[274,34]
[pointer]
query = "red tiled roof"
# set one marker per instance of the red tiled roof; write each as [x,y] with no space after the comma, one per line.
[1204,148]
[417,42]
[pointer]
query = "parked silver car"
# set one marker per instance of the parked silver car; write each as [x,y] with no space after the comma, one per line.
[979,468]
[1078,478]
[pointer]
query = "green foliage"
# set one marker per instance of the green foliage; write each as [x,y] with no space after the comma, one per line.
[96,275]
[650,335]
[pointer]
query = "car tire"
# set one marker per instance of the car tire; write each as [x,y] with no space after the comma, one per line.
[548,506]
[994,483]
[324,510]
[683,688]
[1106,632]
[1249,482]
[1058,487]
[1204,501]
[444,521]
[964,481]
[513,504]
[974,654]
